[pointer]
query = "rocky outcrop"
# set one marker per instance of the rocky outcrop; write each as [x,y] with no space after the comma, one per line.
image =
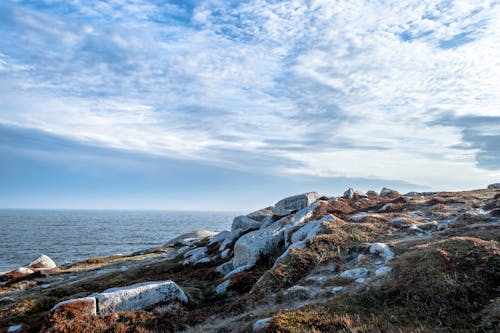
[493,186]
[42,262]
[139,296]
[294,203]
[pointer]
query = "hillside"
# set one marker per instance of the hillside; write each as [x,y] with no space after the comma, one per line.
[418,262]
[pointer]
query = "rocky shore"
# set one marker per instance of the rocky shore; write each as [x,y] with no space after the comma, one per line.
[360,262]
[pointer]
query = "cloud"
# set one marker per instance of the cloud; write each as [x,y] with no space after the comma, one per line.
[331,89]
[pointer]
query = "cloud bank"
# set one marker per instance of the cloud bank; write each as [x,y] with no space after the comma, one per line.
[401,90]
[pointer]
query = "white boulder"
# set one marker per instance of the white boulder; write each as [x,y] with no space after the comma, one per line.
[139,296]
[42,262]
[382,250]
[354,273]
[191,237]
[251,246]
[352,193]
[294,203]
[24,270]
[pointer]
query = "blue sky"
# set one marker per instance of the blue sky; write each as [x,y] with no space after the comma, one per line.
[234,104]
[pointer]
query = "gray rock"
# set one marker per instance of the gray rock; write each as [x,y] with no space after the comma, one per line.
[294,203]
[250,247]
[493,186]
[261,214]
[15,328]
[352,194]
[43,262]
[371,192]
[383,271]
[195,255]
[386,191]
[222,287]
[190,237]
[225,268]
[139,296]
[244,223]
[354,273]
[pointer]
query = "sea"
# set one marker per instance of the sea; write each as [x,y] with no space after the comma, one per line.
[74,235]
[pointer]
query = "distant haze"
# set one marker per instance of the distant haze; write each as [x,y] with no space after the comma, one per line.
[232,105]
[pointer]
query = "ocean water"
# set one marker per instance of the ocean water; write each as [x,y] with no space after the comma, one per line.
[72,235]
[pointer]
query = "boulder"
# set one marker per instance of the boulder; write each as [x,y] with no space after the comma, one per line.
[244,223]
[251,246]
[190,237]
[85,305]
[43,262]
[139,296]
[231,237]
[225,268]
[371,193]
[195,255]
[493,186]
[261,214]
[387,191]
[312,229]
[352,194]
[238,270]
[294,203]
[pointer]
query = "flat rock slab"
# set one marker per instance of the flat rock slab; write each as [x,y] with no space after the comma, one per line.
[139,296]
[294,203]
[191,237]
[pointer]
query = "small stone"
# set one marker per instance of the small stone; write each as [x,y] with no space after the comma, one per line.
[382,250]
[360,280]
[354,273]
[123,268]
[24,270]
[337,289]
[222,288]
[261,324]
[15,328]
[383,271]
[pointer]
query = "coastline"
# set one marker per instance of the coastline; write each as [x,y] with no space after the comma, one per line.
[288,266]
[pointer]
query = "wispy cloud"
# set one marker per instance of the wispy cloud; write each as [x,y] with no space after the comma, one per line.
[326,88]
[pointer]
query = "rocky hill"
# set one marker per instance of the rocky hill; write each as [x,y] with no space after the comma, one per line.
[418,262]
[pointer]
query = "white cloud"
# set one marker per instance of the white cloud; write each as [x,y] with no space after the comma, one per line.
[347,88]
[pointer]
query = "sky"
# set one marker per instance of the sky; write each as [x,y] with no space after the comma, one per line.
[233,105]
